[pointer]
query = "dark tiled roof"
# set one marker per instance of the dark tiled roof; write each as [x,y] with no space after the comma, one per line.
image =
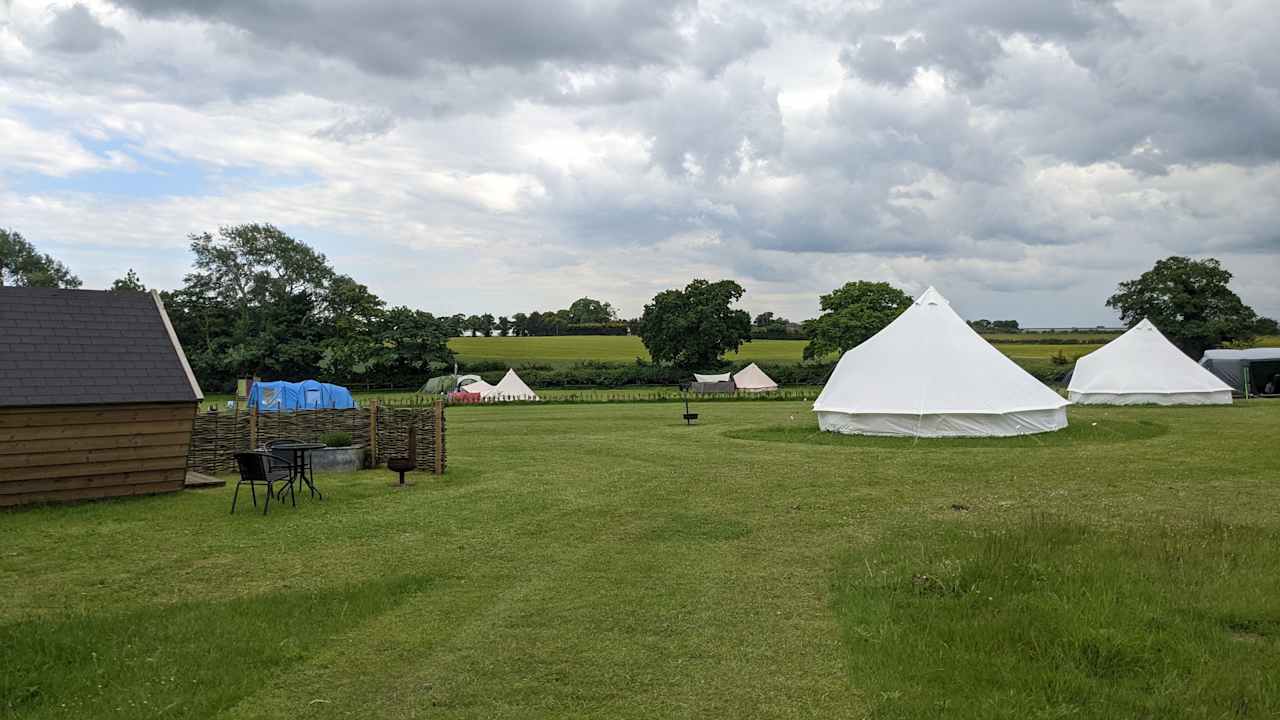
[77,347]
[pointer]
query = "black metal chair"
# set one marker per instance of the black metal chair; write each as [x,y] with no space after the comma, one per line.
[256,468]
[285,458]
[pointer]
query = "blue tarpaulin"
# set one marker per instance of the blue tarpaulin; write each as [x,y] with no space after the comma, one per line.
[305,395]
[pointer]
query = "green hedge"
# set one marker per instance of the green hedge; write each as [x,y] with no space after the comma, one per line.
[608,375]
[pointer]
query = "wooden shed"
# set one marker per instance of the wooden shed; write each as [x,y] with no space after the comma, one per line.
[96,397]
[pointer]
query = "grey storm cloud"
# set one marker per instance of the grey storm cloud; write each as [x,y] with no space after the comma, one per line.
[387,37]
[76,30]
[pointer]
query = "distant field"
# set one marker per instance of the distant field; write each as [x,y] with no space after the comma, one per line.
[1094,337]
[569,349]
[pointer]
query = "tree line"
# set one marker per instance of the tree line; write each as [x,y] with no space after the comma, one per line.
[259,302]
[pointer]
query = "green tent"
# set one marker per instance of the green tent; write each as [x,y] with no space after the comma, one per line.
[444,384]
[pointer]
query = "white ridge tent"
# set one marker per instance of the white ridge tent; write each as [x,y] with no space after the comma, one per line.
[479,387]
[752,379]
[510,387]
[722,377]
[928,374]
[1142,367]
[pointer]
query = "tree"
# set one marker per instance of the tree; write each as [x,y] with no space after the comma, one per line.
[587,310]
[485,326]
[764,319]
[130,281]
[519,325]
[398,346]
[22,265]
[1266,326]
[692,328]
[259,301]
[1007,326]
[851,314]
[504,325]
[456,324]
[1189,301]
[264,299]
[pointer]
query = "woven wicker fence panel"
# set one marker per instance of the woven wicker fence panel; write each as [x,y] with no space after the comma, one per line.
[215,439]
[310,425]
[393,435]
[217,436]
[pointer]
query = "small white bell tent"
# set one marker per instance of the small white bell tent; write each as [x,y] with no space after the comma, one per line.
[510,387]
[928,374]
[479,387]
[1141,367]
[753,380]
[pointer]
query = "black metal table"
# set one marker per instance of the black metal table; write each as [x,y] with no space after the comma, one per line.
[299,466]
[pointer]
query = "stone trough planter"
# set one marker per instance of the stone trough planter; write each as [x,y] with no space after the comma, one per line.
[337,459]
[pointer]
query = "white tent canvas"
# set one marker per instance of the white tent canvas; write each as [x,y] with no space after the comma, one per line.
[722,377]
[480,387]
[1142,367]
[928,374]
[510,387]
[752,379]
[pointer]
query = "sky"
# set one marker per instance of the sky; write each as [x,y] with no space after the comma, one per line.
[505,156]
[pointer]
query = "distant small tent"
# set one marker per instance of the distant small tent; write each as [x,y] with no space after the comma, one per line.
[442,384]
[753,380]
[720,383]
[721,377]
[1143,367]
[479,387]
[511,387]
[306,395]
[1262,365]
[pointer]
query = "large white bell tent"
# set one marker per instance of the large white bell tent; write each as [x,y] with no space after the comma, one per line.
[1143,367]
[752,379]
[928,374]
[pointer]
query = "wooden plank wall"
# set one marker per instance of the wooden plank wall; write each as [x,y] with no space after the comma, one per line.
[56,454]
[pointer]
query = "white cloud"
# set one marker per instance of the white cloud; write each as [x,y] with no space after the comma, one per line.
[1024,158]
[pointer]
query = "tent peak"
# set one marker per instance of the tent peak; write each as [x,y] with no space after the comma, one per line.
[931,297]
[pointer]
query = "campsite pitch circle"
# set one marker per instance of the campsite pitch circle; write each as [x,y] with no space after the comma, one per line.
[1096,432]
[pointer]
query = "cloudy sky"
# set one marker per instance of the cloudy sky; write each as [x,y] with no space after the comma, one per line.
[505,155]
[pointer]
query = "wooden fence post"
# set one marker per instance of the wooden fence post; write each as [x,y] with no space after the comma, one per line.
[253,427]
[437,439]
[373,433]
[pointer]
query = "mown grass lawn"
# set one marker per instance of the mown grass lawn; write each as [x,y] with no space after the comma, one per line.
[608,561]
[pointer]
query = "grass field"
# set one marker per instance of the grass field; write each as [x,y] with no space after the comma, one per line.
[607,561]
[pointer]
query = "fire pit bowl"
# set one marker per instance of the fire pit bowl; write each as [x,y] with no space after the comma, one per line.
[401,465]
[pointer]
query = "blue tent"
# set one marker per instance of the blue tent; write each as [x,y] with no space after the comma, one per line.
[305,395]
